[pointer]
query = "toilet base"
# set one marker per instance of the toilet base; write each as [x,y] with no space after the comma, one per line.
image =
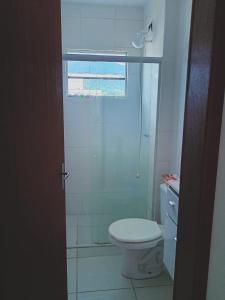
[143,264]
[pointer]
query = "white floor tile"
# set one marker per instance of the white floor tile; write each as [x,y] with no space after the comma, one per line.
[108,295]
[98,251]
[163,279]
[101,273]
[71,275]
[155,293]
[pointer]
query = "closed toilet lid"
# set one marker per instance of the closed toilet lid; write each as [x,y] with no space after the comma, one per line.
[135,230]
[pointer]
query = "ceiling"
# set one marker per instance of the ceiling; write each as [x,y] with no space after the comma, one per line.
[110,2]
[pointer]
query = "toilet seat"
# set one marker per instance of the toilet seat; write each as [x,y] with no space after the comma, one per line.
[135,230]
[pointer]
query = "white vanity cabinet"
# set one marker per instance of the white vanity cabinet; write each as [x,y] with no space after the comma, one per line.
[170,231]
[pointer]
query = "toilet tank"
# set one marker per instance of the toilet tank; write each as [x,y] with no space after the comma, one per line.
[163,202]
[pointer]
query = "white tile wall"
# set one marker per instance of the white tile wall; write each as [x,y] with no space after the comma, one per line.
[85,234]
[102,11]
[164,146]
[71,236]
[71,10]
[74,204]
[129,13]
[180,80]
[71,275]
[71,32]
[97,33]
[83,135]
[172,40]
[100,27]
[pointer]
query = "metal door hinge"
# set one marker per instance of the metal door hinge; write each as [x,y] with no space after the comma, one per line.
[64,175]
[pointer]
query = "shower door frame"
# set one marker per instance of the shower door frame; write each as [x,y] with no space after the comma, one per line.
[69,56]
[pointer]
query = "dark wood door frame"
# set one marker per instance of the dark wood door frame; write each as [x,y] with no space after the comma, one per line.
[32,230]
[203,114]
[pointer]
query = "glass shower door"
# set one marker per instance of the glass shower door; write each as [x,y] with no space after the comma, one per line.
[108,136]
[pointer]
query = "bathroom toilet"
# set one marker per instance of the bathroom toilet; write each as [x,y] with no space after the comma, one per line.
[141,243]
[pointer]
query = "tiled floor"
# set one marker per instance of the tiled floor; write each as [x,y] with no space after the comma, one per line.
[99,278]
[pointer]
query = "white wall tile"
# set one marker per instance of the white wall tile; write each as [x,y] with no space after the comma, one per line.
[79,182]
[164,145]
[88,220]
[85,235]
[72,253]
[79,158]
[98,33]
[71,33]
[71,220]
[71,10]
[130,13]
[74,204]
[98,11]
[72,296]
[71,236]
[82,134]
[76,110]
[71,275]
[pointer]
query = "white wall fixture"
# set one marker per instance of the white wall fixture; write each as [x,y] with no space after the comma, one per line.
[143,37]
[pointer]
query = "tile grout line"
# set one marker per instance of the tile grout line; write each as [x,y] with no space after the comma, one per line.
[95,291]
[133,288]
[76,265]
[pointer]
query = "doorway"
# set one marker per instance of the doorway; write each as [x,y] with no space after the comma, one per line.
[123,124]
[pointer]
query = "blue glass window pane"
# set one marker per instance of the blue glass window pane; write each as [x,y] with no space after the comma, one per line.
[96,78]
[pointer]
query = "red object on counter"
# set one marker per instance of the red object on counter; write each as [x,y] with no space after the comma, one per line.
[168,177]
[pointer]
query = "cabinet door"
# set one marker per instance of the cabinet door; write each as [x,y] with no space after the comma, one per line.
[170,245]
[172,205]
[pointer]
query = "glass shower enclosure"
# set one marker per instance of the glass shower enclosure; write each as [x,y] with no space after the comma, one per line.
[110,117]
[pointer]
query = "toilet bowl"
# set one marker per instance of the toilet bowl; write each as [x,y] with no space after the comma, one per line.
[141,243]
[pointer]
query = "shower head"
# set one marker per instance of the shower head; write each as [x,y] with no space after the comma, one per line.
[141,38]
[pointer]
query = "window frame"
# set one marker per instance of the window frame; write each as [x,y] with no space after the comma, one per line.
[97,52]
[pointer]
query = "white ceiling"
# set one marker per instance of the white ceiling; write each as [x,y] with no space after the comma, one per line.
[110,2]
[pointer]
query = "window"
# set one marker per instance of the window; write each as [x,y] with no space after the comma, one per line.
[95,78]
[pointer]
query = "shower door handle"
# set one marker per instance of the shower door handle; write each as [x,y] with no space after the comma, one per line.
[64,175]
